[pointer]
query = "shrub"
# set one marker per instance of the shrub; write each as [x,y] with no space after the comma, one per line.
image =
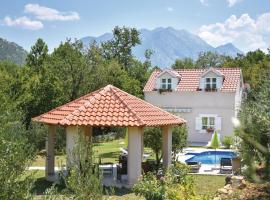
[179,139]
[83,181]
[254,131]
[227,142]
[174,185]
[16,154]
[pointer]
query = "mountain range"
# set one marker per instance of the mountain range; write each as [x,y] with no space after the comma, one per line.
[12,52]
[169,44]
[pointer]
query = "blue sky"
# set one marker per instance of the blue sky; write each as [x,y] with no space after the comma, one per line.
[245,23]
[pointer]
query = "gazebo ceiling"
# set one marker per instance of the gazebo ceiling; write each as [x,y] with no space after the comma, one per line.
[109,106]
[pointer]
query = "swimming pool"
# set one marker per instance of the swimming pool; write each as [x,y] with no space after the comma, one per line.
[210,157]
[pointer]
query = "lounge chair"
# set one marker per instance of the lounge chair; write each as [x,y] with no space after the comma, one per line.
[225,165]
[194,166]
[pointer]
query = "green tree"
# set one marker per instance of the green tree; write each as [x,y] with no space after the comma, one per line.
[254,66]
[69,66]
[110,72]
[254,132]
[40,93]
[153,140]
[215,144]
[210,59]
[179,140]
[37,56]
[16,154]
[120,47]
[185,63]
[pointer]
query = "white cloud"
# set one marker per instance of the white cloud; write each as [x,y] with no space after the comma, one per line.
[245,32]
[204,2]
[50,14]
[233,2]
[230,2]
[23,22]
[170,9]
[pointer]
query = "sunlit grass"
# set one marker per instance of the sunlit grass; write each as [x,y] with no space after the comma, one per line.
[108,152]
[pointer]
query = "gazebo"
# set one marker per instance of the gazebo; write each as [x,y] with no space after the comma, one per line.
[109,106]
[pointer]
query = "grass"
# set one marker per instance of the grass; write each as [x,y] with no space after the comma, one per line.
[204,185]
[108,152]
[40,161]
[208,184]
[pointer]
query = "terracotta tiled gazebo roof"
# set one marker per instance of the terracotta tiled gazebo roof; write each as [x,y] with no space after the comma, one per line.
[109,106]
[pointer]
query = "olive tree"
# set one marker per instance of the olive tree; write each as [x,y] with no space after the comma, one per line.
[153,140]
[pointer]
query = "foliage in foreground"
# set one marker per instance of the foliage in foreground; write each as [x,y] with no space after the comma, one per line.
[16,155]
[255,133]
[174,185]
[83,181]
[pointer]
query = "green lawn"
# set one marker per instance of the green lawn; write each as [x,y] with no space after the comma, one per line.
[208,184]
[107,151]
[204,184]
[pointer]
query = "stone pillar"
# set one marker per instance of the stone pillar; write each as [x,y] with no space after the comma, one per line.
[88,131]
[166,146]
[50,143]
[134,154]
[72,136]
[142,144]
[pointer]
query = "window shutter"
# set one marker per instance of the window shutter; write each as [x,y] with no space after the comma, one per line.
[218,123]
[219,82]
[198,123]
[202,80]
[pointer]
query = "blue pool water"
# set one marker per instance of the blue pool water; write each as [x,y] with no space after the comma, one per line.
[211,157]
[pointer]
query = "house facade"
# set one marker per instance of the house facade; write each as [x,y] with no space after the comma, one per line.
[206,98]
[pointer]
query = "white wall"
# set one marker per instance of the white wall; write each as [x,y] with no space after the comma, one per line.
[200,102]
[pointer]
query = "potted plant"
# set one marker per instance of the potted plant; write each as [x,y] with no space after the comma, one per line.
[164,90]
[210,130]
[208,89]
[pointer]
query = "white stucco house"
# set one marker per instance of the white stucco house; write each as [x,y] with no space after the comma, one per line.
[206,98]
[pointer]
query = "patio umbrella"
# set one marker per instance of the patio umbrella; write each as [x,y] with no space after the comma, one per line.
[215,144]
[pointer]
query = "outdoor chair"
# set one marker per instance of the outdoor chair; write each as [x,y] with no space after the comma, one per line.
[225,165]
[107,169]
[194,166]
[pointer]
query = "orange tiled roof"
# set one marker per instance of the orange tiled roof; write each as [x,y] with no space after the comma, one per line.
[190,79]
[109,106]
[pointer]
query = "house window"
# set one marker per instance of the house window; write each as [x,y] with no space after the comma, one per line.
[166,83]
[208,123]
[210,83]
